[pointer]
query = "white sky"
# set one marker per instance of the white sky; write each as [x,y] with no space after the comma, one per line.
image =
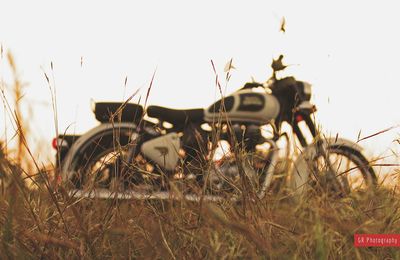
[349,50]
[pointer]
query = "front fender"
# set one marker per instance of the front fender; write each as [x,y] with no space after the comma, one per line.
[299,174]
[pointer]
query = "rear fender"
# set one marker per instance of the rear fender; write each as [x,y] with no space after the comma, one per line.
[62,144]
[103,129]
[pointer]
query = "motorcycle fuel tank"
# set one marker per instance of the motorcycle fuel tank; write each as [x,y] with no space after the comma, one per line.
[245,106]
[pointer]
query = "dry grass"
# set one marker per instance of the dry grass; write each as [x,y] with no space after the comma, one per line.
[278,227]
[47,223]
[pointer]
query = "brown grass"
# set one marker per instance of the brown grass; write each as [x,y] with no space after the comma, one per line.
[47,223]
[278,227]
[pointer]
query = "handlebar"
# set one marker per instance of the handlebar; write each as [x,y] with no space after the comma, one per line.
[277,65]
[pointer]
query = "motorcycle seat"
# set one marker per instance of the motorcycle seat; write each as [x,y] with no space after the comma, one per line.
[175,116]
[129,112]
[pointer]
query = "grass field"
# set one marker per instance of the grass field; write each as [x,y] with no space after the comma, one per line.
[45,223]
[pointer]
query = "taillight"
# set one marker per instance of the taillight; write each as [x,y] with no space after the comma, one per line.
[59,143]
[54,143]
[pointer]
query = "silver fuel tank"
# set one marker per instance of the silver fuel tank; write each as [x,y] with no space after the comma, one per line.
[245,106]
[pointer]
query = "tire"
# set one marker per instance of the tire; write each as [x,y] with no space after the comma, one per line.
[97,160]
[350,171]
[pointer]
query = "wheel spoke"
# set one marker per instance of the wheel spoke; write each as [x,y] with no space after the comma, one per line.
[351,169]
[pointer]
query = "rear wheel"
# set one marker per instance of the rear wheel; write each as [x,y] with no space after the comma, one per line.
[101,161]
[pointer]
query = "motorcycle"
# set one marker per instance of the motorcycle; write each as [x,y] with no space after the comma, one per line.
[178,155]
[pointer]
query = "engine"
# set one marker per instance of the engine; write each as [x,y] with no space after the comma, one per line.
[247,136]
[226,178]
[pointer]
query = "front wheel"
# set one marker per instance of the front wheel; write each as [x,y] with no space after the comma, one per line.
[339,167]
